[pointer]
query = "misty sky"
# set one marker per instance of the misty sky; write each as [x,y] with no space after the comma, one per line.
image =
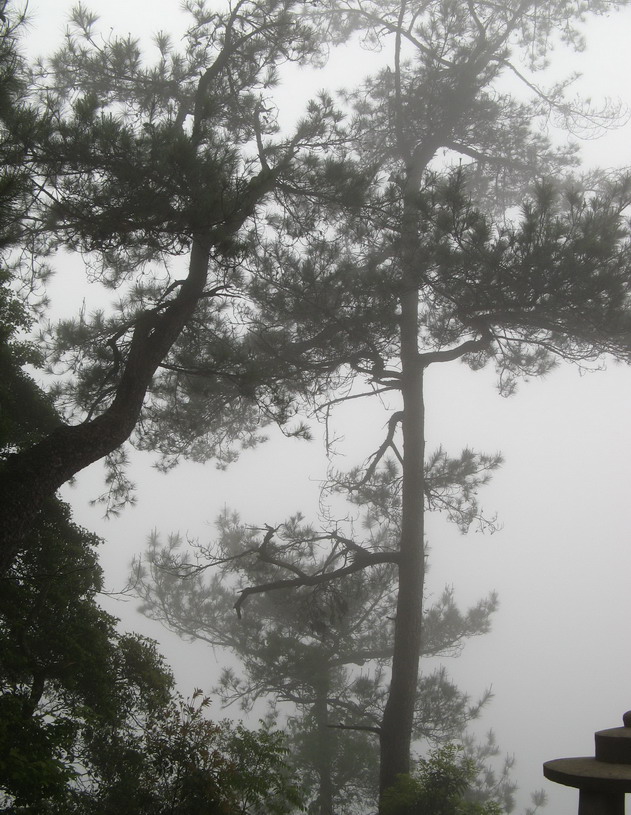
[558,657]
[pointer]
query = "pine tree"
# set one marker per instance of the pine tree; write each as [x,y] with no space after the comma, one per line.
[322,647]
[145,163]
[465,250]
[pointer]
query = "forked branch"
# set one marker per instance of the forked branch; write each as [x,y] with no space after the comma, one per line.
[388,443]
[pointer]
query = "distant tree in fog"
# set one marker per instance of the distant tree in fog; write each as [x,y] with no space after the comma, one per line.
[476,244]
[322,648]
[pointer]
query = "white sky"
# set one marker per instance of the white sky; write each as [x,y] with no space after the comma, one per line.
[558,657]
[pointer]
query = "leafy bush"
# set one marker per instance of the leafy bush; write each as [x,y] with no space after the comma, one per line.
[439,787]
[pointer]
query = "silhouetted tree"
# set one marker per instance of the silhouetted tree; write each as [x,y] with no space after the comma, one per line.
[89,718]
[146,163]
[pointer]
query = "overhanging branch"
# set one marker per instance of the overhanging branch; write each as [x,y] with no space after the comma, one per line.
[367,559]
[467,347]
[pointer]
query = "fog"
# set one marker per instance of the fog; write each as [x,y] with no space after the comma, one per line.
[558,657]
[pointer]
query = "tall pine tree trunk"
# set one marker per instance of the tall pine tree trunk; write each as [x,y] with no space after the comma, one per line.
[396,726]
[398,718]
[324,736]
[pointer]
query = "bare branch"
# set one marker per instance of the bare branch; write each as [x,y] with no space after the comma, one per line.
[370,559]
[266,557]
[393,421]
[366,728]
[362,395]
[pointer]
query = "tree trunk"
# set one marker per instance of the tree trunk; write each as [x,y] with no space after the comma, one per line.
[29,477]
[398,718]
[324,736]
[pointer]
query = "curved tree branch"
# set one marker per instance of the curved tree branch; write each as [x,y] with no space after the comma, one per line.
[366,560]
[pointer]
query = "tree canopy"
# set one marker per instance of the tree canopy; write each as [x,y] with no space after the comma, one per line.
[347,255]
[445,267]
[144,164]
[438,262]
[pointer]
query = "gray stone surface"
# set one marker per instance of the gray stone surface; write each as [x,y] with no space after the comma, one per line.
[589,774]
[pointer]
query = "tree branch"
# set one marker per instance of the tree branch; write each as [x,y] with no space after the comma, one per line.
[369,559]
[467,347]
[393,421]
[366,728]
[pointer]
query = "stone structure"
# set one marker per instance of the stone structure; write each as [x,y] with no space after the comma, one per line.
[603,780]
